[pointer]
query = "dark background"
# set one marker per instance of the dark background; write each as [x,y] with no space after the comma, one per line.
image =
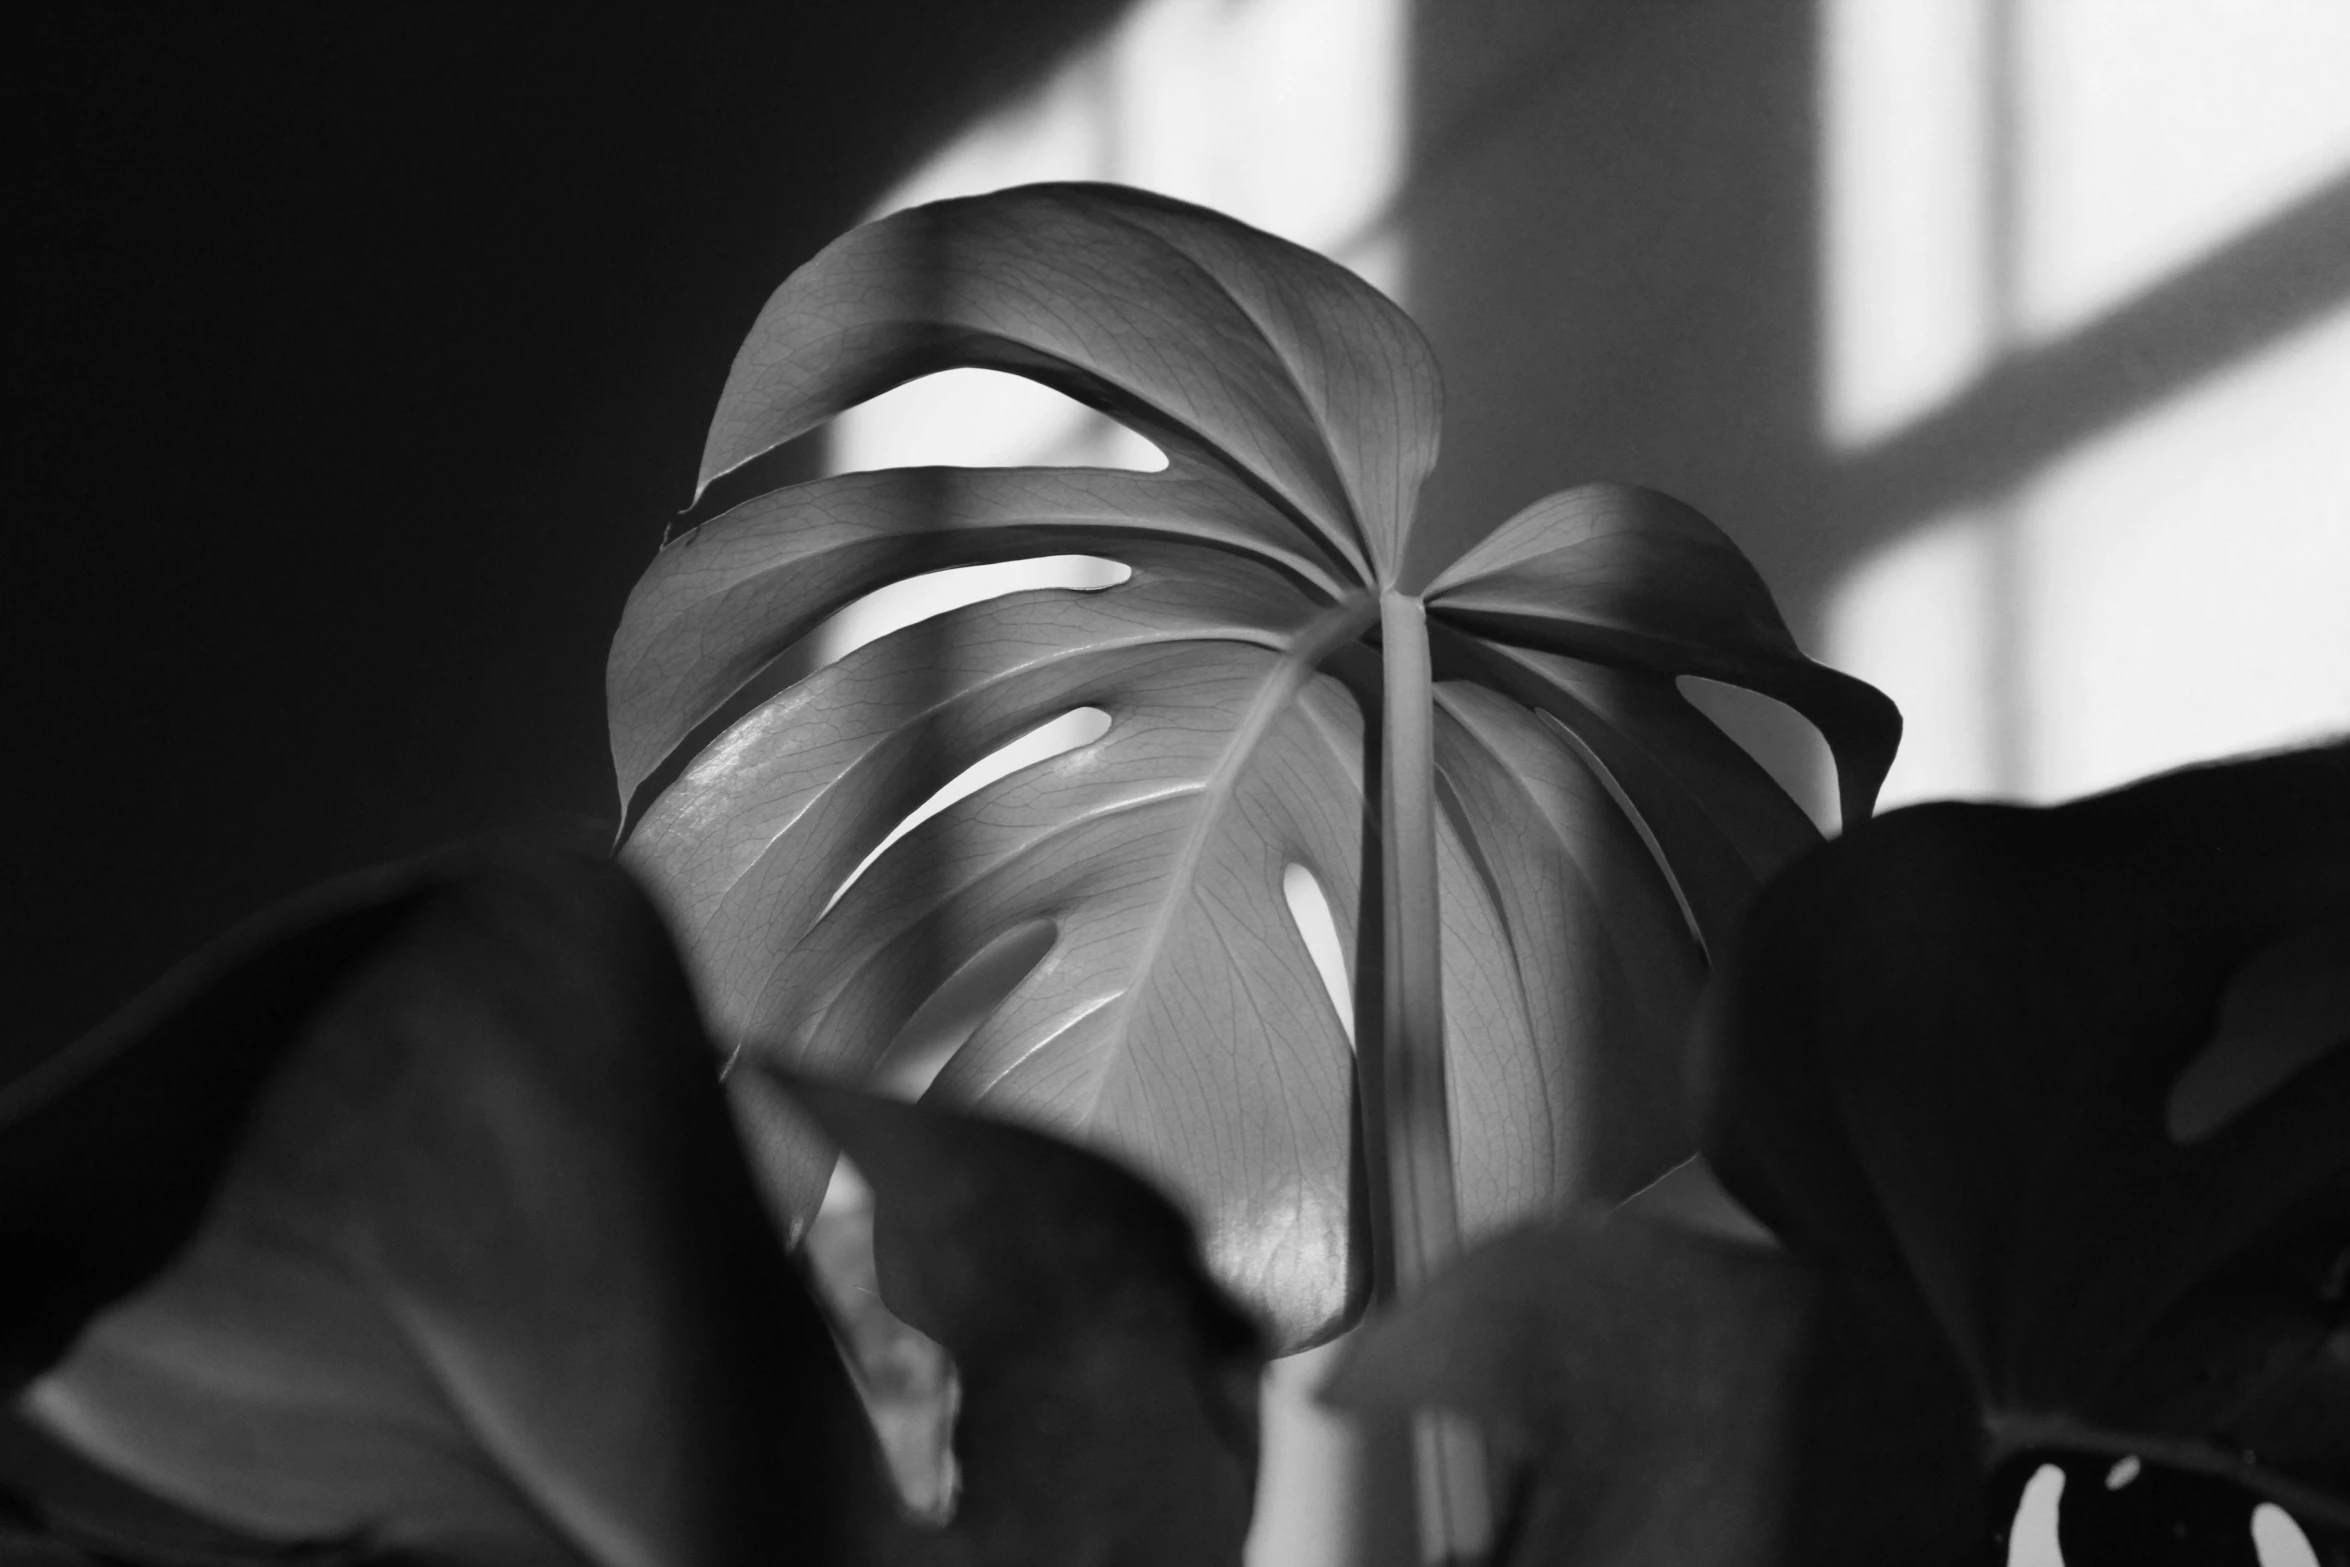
[357,360]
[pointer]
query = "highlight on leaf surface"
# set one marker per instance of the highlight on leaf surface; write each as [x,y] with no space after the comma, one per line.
[1594,834]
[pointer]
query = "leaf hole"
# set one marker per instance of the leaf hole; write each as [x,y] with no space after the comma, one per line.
[876,615]
[905,1378]
[2285,1008]
[2278,1541]
[2031,1537]
[983,419]
[1078,727]
[916,599]
[939,1027]
[1309,911]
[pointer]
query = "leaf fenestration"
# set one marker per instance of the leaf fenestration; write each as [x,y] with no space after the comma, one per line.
[1176,1020]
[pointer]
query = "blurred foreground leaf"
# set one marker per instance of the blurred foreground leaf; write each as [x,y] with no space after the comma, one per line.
[483,1277]
[2076,1073]
[412,1223]
[1109,1389]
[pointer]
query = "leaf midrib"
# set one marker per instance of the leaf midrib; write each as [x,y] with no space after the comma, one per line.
[1333,628]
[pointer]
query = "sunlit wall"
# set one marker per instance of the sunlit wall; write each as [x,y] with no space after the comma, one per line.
[1287,114]
[2125,219]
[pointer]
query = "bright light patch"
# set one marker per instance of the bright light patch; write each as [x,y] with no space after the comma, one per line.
[2000,171]
[1056,132]
[2190,576]
[1083,726]
[1309,1469]
[2279,1540]
[1284,113]
[1917,621]
[2153,133]
[2031,1539]
[917,599]
[1309,909]
[983,419]
[1907,291]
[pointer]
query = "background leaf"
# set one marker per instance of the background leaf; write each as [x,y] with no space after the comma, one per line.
[1633,580]
[1593,828]
[1677,1400]
[1947,1053]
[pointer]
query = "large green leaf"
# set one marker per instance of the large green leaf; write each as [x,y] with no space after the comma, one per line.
[1593,831]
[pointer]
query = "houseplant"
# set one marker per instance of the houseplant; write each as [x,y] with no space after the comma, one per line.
[414,1221]
[1293,675]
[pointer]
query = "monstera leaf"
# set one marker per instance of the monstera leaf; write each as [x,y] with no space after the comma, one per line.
[2079,1074]
[1288,682]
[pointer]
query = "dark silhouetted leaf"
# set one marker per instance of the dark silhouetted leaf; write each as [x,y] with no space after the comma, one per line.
[1679,1400]
[57,1506]
[110,1150]
[1950,1051]
[483,1277]
[1109,1388]
[1592,827]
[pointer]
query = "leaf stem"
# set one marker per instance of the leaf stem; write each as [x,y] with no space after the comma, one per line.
[1423,1214]
[1425,1217]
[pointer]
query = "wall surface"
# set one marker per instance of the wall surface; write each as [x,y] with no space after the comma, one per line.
[2011,338]
[357,359]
